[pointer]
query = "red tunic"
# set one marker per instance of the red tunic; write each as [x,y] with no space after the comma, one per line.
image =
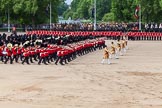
[26,53]
[46,54]
[14,51]
[19,51]
[59,53]
[1,50]
[42,53]
[9,52]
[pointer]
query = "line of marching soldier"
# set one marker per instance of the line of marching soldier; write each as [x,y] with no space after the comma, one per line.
[10,53]
[109,34]
[47,53]
[115,50]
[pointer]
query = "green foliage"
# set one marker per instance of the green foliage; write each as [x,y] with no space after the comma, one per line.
[33,11]
[103,7]
[117,10]
[28,11]
[151,11]
[62,7]
[83,9]
[123,10]
[68,14]
[109,17]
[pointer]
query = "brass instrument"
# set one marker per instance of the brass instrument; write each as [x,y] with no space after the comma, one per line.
[9,45]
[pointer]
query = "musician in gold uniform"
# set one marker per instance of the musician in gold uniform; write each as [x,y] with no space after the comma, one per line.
[106,56]
[126,42]
[123,46]
[119,47]
[113,51]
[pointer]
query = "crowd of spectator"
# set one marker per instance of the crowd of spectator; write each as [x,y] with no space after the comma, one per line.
[89,27]
[153,27]
[124,27]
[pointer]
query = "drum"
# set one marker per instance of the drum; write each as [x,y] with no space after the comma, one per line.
[4,52]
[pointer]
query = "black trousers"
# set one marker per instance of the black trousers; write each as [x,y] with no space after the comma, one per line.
[31,58]
[40,60]
[8,58]
[2,58]
[60,59]
[15,57]
[26,59]
[20,56]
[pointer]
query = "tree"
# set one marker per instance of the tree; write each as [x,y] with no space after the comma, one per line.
[28,11]
[62,7]
[33,11]
[151,10]
[103,7]
[109,17]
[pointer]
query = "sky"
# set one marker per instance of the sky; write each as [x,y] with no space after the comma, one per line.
[69,1]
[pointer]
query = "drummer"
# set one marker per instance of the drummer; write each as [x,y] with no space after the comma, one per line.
[106,56]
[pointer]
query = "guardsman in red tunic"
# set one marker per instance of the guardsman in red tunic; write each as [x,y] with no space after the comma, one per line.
[37,51]
[65,56]
[79,49]
[51,50]
[46,55]
[26,56]
[32,54]
[9,53]
[72,53]
[42,57]
[56,49]
[22,51]
[1,53]
[14,52]
[19,53]
[60,57]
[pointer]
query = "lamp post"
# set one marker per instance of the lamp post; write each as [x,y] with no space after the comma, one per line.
[95,16]
[8,20]
[50,15]
[140,18]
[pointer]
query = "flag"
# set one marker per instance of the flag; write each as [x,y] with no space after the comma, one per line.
[136,12]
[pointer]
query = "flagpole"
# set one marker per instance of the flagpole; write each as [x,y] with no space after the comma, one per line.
[8,20]
[95,16]
[140,18]
[50,15]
